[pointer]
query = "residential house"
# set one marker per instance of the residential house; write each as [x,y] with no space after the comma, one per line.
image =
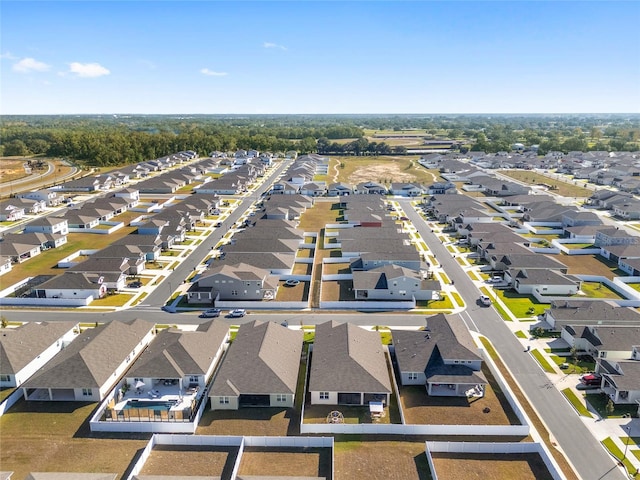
[589,312]
[51,225]
[339,189]
[260,368]
[81,222]
[392,282]
[232,282]
[30,207]
[18,251]
[371,188]
[542,280]
[613,236]
[50,197]
[620,380]
[348,366]
[406,189]
[184,358]
[73,285]
[443,357]
[43,240]
[10,211]
[113,270]
[603,341]
[5,264]
[25,349]
[90,366]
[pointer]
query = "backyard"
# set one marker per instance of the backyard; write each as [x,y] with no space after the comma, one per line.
[195,459]
[55,437]
[453,466]
[283,462]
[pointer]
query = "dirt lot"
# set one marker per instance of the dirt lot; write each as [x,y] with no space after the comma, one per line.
[12,169]
[420,409]
[310,462]
[382,170]
[453,466]
[589,265]
[250,421]
[381,460]
[55,437]
[192,459]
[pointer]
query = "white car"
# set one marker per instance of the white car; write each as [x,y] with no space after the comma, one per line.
[485,300]
[238,312]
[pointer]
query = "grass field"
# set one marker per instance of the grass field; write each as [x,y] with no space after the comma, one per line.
[563,188]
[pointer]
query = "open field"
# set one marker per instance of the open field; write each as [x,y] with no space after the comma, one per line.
[450,466]
[384,170]
[563,188]
[194,459]
[283,462]
[11,168]
[55,437]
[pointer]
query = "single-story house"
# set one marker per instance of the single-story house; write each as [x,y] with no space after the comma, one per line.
[260,368]
[443,357]
[90,366]
[348,366]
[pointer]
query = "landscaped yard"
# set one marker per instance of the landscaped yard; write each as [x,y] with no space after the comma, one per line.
[583,364]
[117,300]
[599,402]
[422,409]
[455,466]
[590,265]
[599,290]
[520,305]
[296,293]
[338,290]
[55,437]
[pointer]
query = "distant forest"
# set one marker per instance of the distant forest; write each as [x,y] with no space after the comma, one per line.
[109,140]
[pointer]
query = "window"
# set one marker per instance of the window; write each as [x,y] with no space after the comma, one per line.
[324,395]
[5,378]
[413,375]
[280,397]
[234,292]
[224,400]
[87,392]
[193,379]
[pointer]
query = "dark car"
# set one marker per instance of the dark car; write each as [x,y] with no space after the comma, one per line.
[135,284]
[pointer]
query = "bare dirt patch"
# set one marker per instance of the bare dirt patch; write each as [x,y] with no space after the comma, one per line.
[590,265]
[12,169]
[282,462]
[528,466]
[381,460]
[421,409]
[250,421]
[197,459]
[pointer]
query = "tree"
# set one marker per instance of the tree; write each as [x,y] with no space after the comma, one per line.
[610,408]
[16,148]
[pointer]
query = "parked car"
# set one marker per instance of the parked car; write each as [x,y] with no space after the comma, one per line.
[218,224]
[484,300]
[135,284]
[210,313]
[238,312]
[591,379]
[496,279]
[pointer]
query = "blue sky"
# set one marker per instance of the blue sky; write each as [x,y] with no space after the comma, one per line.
[319,57]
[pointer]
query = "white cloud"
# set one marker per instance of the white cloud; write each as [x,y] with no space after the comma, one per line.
[28,65]
[273,45]
[211,73]
[8,56]
[88,70]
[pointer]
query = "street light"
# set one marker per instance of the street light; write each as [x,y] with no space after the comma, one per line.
[626,444]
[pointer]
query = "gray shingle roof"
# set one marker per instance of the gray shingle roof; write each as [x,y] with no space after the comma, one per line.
[176,353]
[347,358]
[264,358]
[92,357]
[21,345]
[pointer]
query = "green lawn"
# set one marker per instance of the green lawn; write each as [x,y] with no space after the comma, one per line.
[521,305]
[521,334]
[117,300]
[598,290]
[546,366]
[579,367]
[599,402]
[577,403]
